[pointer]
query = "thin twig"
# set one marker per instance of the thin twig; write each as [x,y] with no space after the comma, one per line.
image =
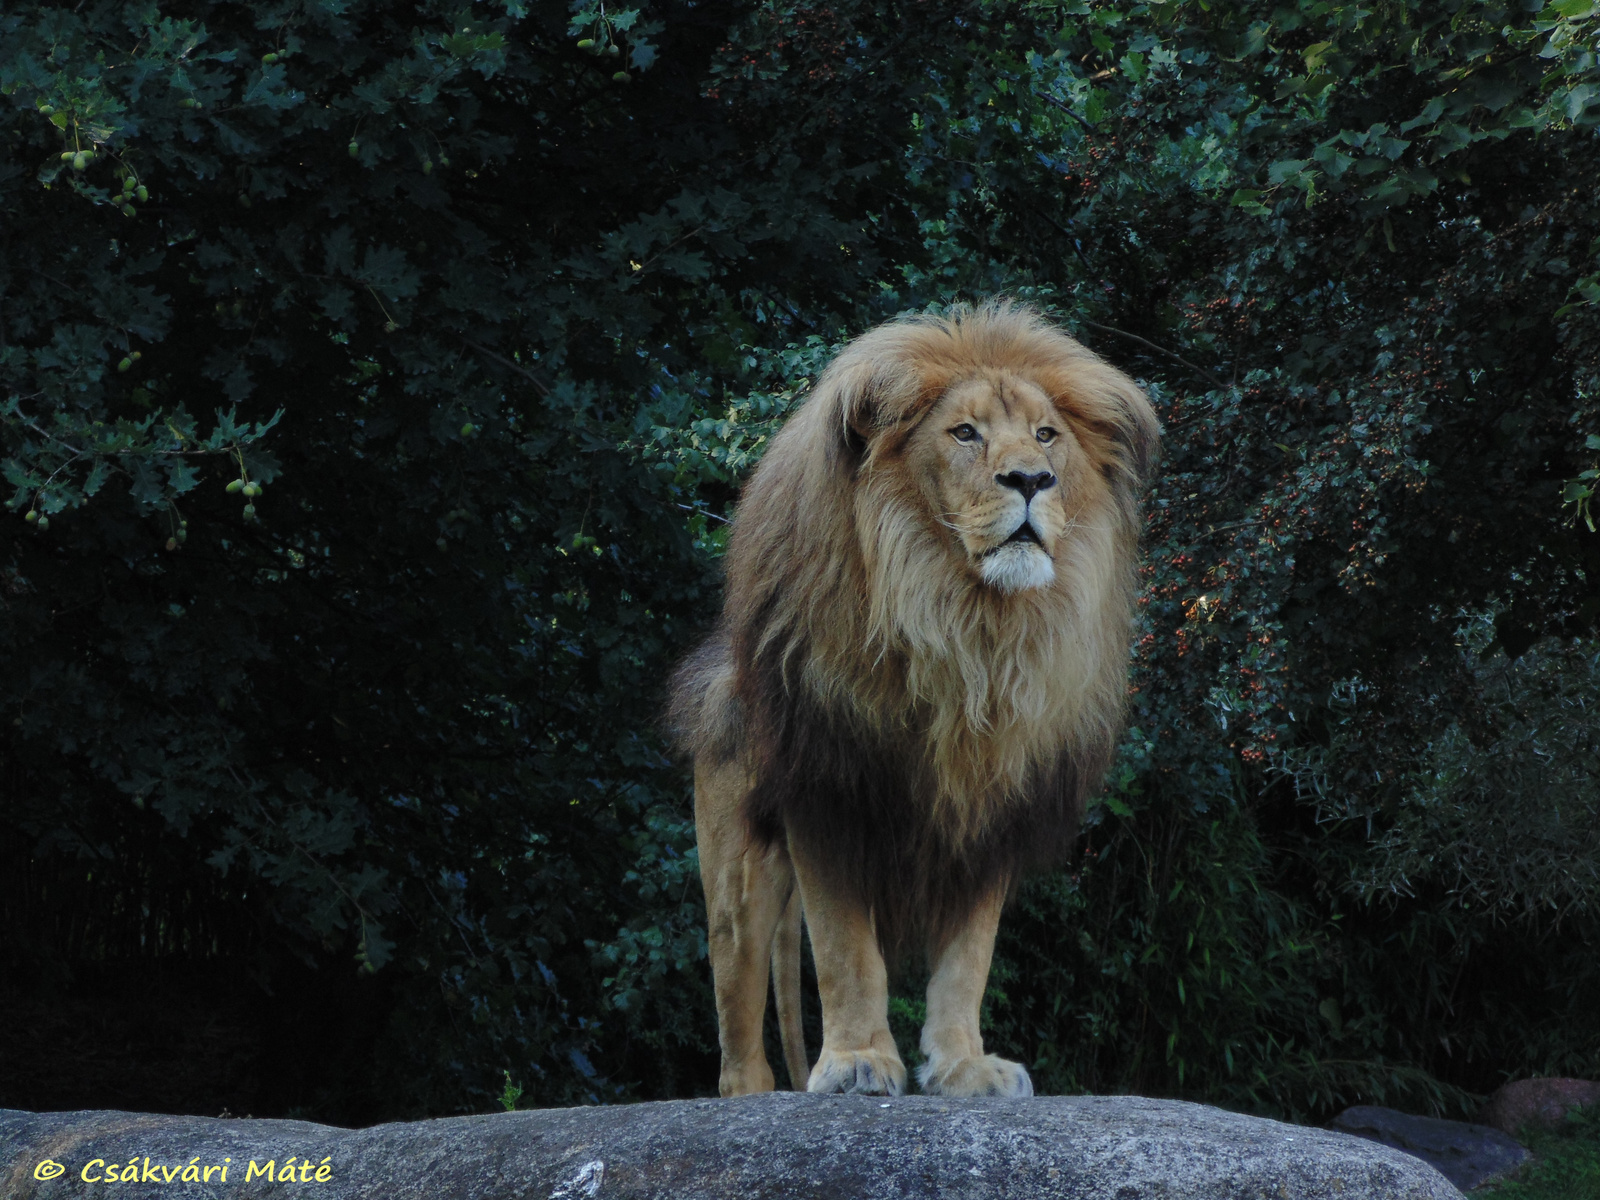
[1088,266]
[1072,240]
[539,385]
[1172,354]
[1066,108]
[1234,525]
[131,452]
[59,283]
[678,241]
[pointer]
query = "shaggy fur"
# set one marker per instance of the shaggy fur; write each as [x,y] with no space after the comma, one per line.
[926,711]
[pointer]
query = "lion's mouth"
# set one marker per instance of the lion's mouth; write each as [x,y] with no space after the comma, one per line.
[1024,533]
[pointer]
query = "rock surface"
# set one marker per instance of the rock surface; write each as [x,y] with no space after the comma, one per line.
[1536,1102]
[780,1145]
[1467,1155]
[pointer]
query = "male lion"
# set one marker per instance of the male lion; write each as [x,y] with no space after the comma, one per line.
[918,678]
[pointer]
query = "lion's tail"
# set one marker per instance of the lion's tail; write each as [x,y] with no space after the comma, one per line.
[786,991]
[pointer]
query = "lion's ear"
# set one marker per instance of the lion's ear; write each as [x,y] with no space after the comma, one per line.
[860,389]
[1117,407]
[1139,433]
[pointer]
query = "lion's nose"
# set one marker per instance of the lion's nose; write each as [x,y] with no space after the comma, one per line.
[1029,485]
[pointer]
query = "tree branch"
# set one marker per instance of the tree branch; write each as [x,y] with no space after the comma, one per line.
[1172,354]
[539,385]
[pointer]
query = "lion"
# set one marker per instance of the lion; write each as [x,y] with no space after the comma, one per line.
[918,678]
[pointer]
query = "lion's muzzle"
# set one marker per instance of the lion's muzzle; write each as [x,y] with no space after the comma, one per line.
[1029,484]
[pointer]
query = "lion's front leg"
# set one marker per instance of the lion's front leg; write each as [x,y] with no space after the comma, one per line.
[957,1065]
[858,1051]
[747,889]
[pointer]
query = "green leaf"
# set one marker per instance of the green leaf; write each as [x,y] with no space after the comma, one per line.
[1249,199]
[1288,170]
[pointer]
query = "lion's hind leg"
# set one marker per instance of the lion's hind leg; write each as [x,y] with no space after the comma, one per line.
[956,1064]
[786,992]
[747,886]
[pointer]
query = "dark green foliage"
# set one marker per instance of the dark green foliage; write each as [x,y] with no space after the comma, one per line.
[487,336]
[1566,1163]
[401,716]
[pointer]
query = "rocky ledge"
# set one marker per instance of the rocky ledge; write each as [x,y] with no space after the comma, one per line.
[780,1145]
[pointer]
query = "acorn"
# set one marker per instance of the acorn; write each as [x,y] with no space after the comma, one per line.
[468,429]
[269,58]
[142,192]
[80,160]
[183,535]
[235,486]
[427,166]
[125,364]
[444,160]
[252,490]
[249,512]
[583,44]
[613,50]
[621,77]
[46,110]
[68,155]
[32,516]
[354,148]
[136,356]
[172,543]
[129,210]
[44,523]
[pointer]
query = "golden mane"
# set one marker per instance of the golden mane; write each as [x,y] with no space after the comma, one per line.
[883,697]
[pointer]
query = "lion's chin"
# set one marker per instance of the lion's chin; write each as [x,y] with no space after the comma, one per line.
[1016,567]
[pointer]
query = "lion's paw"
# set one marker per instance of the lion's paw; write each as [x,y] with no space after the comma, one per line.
[861,1072]
[984,1075]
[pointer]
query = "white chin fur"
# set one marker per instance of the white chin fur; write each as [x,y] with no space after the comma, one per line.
[1018,568]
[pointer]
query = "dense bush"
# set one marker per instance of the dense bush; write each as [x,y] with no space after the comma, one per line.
[487,323]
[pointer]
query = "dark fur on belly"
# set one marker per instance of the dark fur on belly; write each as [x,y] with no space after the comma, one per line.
[860,805]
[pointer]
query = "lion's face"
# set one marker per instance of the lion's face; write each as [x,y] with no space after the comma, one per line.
[1001,468]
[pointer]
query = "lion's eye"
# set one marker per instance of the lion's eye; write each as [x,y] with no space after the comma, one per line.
[964,433]
[1047,435]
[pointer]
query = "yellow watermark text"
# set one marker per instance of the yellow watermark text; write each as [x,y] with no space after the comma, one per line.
[140,1169]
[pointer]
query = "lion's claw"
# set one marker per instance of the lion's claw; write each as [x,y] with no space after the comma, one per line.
[859,1072]
[985,1075]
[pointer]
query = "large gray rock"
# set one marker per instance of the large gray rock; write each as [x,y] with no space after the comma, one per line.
[1542,1103]
[779,1145]
[1465,1154]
